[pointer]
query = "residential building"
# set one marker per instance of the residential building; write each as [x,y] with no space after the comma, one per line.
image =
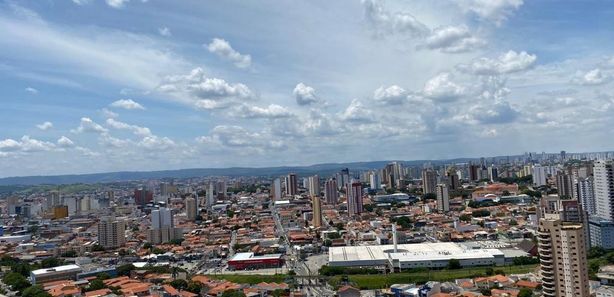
[354,198]
[191,208]
[429,181]
[291,184]
[331,193]
[603,173]
[443,198]
[539,175]
[111,233]
[316,206]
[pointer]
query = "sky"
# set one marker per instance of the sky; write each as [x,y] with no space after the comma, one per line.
[110,85]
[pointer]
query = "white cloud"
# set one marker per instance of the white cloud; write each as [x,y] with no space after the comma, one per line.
[31,90]
[81,2]
[304,94]
[509,62]
[442,88]
[496,11]
[127,104]
[65,142]
[89,126]
[108,113]
[223,49]
[390,95]
[156,143]
[204,92]
[117,3]
[165,31]
[25,144]
[453,39]
[137,130]
[593,77]
[384,22]
[498,113]
[356,112]
[45,126]
[271,112]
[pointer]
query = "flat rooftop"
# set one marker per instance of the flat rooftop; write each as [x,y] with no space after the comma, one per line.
[250,256]
[63,268]
[408,252]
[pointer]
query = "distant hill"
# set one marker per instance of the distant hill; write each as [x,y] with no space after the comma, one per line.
[322,169]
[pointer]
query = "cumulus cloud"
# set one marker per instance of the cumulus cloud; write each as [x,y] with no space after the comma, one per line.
[45,126]
[384,22]
[497,113]
[108,113]
[156,143]
[223,49]
[204,92]
[593,77]
[391,95]
[25,144]
[357,112]
[127,104]
[270,112]
[31,90]
[88,126]
[304,94]
[453,39]
[509,62]
[117,3]
[137,130]
[496,11]
[165,31]
[442,88]
[65,142]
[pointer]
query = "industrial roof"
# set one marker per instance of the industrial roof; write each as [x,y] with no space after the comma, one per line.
[63,268]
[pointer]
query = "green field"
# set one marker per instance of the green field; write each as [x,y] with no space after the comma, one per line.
[251,279]
[378,281]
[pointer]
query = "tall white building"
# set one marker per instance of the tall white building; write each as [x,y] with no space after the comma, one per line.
[210,197]
[191,209]
[604,189]
[162,227]
[539,175]
[276,189]
[375,181]
[586,195]
[313,184]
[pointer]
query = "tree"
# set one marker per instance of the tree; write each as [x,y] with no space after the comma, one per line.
[454,264]
[429,196]
[596,252]
[486,292]
[179,284]
[96,284]
[147,245]
[51,262]
[124,270]
[489,271]
[69,254]
[17,281]
[97,248]
[465,218]
[233,293]
[525,292]
[195,287]
[35,291]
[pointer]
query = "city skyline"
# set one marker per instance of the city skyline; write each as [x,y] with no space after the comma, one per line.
[104,86]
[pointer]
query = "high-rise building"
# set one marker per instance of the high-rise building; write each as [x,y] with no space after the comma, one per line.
[316,206]
[562,245]
[331,192]
[443,198]
[564,185]
[343,177]
[429,181]
[585,193]
[142,197]
[392,175]
[12,202]
[374,180]
[313,183]
[354,198]
[53,200]
[111,233]
[291,184]
[539,175]
[210,196]
[191,209]
[164,189]
[453,180]
[603,173]
[493,173]
[220,189]
[163,227]
[474,172]
[276,189]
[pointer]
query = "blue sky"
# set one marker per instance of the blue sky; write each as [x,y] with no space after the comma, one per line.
[105,85]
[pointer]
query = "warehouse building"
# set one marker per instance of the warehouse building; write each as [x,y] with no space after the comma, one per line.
[242,261]
[407,256]
[45,275]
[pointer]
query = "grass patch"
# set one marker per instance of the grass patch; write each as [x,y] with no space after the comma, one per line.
[379,281]
[251,279]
